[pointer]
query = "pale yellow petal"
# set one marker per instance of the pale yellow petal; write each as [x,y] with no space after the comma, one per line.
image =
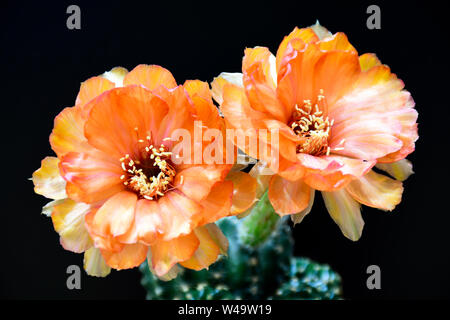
[68,221]
[220,81]
[116,75]
[376,190]
[346,212]
[94,264]
[48,181]
[400,170]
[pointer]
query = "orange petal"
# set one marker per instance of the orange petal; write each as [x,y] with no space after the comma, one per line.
[196,182]
[94,264]
[208,249]
[288,197]
[47,179]
[346,212]
[68,133]
[220,81]
[150,76]
[92,88]
[147,221]
[165,254]
[244,191]
[218,203]
[179,213]
[116,215]
[376,190]
[298,217]
[400,170]
[108,243]
[68,221]
[90,179]
[338,41]
[132,255]
[333,172]
[302,37]
[198,88]
[114,117]
[368,61]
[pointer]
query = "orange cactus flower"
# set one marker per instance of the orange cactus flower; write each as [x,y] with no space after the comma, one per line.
[119,195]
[337,115]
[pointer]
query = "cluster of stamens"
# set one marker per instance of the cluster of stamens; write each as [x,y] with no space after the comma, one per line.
[309,123]
[138,175]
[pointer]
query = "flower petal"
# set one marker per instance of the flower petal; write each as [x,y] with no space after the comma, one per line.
[132,255]
[198,88]
[165,254]
[150,76]
[208,249]
[179,214]
[116,75]
[114,117]
[116,215]
[47,180]
[218,203]
[400,170]
[288,197]
[92,88]
[220,81]
[68,221]
[94,264]
[91,178]
[376,190]
[346,212]
[68,133]
[298,217]
[244,191]
[196,182]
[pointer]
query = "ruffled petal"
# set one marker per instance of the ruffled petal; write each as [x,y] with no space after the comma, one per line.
[165,254]
[400,170]
[298,38]
[368,61]
[376,190]
[376,119]
[68,221]
[47,180]
[148,222]
[346,212]
[131,255]
[94,264]
[212,243]
[150,76]
[288,197]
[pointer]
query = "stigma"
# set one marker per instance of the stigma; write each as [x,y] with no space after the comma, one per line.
[312,126]
[151,175]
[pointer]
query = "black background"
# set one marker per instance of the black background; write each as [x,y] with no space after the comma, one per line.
[43,63]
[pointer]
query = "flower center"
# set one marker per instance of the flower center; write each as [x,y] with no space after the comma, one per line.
[309,123]
[152,175]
